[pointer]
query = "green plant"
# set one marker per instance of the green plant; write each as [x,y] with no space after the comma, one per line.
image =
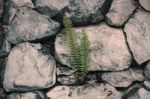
[79,52]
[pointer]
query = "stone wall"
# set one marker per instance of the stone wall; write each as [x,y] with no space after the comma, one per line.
[35,59]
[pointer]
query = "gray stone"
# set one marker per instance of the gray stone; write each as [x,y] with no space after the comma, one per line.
[95,91]
[131,91]
[66,76]
[123,78]
[86,11]
[109,51]
[63,70]
[147,84]
[29,67]
[2,70]
[147,70]
[27,95]
[11,7]
[1,7]
[50,7]
[120,11]
[5,48]
[2,94]
[138,36]
[140,94]
[67,80]
[145,4]
[29,25]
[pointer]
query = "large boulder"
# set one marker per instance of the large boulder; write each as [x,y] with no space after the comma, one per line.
[29,25]
[109,51]
[87,11]
[95,91]
[123,78]
[145,4]
[50,7]
[29,67]
[138,36]
[11,7]
[27,95]
[120,11]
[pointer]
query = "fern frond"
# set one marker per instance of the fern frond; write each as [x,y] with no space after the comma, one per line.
[79,53]
[84,53]
[71,40]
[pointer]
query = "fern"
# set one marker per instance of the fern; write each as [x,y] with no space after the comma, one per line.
[84,54]
[79,52]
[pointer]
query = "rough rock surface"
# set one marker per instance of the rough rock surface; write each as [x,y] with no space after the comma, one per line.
[11,7]
[147,84]
[123,78]
[5,48]
[102,91]
[29,67]
[120,11]
[2,70]
[2,94]
[29,25]
[50,7]
[21,3]
[147,70]
[109,51]
[145,4]
[66,75]
[1,7]
[86,11]
[138,36]
[28,95]
[140,94]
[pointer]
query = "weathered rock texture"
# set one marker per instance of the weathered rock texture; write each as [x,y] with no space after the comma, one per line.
[123,78]
[50,7]
[109,51]
[119,49]
[147,70]
[85,11]
[140,94]
[120,11]
[138,36]
[11,7]
[4,48]
[145,4]
[29,25]
[102,91]
[28,95]
[29,67]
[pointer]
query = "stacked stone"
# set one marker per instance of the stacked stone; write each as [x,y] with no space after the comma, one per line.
[35,59]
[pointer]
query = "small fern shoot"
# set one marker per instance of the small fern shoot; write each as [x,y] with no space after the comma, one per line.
[80,56]
[84,55]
